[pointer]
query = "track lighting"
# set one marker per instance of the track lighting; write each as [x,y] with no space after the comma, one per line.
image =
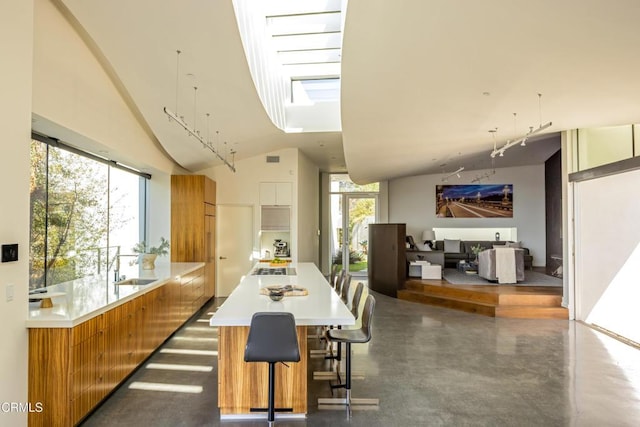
[196,133]
[523,139]
[520,140]
[457,173]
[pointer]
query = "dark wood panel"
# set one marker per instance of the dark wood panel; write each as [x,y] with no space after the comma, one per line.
[387,263]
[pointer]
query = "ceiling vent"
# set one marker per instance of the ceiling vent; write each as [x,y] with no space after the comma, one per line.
[273,159]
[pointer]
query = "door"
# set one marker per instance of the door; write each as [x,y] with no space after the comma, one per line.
[235,246]
[351,216]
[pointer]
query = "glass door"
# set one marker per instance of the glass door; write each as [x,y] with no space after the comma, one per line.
[360,212]
[351,215]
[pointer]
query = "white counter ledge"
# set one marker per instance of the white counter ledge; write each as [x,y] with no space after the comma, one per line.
[88,297]
[322,306]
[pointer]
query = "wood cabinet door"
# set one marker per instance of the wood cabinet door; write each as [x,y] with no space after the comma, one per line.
[210,266]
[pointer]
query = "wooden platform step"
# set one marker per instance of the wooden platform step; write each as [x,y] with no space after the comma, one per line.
[495,301]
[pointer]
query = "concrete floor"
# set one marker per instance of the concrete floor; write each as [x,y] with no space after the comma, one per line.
[428,366]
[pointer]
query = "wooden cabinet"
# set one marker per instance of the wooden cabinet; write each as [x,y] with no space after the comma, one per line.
[192,295]
[387,262]
[72,369]
[276,193]
[193,199]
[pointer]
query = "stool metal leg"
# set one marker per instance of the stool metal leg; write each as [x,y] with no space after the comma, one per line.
[337,402]
[272,392]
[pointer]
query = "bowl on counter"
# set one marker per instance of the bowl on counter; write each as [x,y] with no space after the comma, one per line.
[276,295]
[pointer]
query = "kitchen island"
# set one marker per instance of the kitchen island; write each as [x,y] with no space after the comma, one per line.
[242,387]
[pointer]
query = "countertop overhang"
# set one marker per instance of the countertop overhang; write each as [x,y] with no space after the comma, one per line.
[322,306]
[91,296]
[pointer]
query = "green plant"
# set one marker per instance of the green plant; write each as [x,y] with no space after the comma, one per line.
[160,250]
[476,249]
[354,257]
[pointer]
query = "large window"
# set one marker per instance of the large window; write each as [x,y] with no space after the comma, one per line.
[84,214]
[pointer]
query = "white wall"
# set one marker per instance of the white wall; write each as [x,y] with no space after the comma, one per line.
[50,72]
[308,210]
[16,40]
[242,187]
[72,90]
[77,102]
[607,253]
[412,201]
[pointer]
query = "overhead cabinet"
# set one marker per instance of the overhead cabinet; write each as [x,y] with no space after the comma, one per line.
[275,193]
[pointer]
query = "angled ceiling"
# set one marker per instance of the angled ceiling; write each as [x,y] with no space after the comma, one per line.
[422,81]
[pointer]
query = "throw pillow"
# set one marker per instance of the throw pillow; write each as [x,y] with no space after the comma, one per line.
[499,246]
[452,246]
[514,244]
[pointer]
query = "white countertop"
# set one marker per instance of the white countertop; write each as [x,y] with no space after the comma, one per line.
[321,307]
[88,297]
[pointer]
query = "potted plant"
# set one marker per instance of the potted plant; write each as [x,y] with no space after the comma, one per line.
[476,250]
[147,255]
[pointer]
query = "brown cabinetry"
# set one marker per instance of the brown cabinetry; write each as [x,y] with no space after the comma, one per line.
[387,262]
[193,227]
[72,369]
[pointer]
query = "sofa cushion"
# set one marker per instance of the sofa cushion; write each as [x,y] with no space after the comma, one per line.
[452,246]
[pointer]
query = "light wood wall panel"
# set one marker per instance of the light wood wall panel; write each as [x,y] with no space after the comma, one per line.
[242,385]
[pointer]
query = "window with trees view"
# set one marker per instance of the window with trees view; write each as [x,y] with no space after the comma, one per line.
[84,213]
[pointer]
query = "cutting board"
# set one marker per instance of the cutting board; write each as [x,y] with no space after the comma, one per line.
[289,290]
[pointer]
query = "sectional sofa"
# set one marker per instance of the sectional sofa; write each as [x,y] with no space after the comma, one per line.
[460,250]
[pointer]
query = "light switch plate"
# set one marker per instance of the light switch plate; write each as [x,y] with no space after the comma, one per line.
[10,252]
[9,292]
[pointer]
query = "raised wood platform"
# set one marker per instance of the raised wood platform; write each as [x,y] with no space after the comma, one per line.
[523,302]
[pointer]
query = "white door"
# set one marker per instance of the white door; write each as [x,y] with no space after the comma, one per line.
[235,246]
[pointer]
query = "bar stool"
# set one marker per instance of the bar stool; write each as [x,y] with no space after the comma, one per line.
[355,304]
[346,285]
[334,273]
[351,336]
[272,338]
[344,295]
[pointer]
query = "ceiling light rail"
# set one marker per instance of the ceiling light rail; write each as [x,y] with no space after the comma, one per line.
[456,172]
[205,144]
[522,140]
[192,131]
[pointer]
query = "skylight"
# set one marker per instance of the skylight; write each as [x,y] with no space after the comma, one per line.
[307,38]
[294,52]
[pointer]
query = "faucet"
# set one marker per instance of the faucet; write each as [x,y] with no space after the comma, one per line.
[116,269]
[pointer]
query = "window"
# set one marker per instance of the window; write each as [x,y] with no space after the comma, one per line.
[304,91]
[85,211]
[341,183]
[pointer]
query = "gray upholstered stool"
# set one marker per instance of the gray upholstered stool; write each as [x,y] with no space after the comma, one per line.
[351,336]
[272,338]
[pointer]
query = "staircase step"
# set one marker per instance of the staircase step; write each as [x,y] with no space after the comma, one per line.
[531,312]
[448,302]
[508,303]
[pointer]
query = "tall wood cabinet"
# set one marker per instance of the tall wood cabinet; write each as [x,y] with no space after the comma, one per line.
[387,260]
[193,226]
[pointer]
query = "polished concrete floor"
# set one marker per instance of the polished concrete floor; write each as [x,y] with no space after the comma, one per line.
[428,366]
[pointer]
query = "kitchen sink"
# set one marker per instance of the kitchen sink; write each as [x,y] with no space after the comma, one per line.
[136,282]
